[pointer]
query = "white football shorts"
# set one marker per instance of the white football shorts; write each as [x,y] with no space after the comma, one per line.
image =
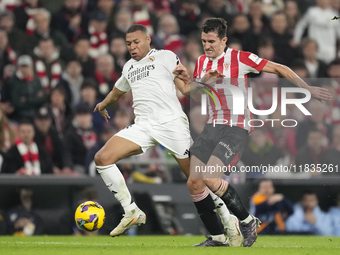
[173,135]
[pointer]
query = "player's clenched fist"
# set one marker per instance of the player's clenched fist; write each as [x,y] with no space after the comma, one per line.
[103,112]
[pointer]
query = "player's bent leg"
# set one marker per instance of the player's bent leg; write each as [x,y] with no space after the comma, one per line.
[117,148]
[184,164]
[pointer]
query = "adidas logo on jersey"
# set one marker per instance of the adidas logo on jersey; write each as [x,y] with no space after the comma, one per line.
[131,67]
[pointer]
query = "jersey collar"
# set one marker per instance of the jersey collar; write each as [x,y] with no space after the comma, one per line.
[219,57]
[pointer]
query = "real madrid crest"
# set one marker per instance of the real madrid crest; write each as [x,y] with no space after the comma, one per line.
[151,59]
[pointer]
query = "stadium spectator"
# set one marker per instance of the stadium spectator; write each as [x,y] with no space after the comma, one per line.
[8,133]
[119,52]
[261,151]
[272,7]
[308,217]
[142,15]
[241,30]
[334,213]
[24,15]
[316,120]
[82,50]
[282,137]
[80,137]
[258,21]
[89,97]
[167,36]
[98,35]
[188,16]
[109,9]
[22,219]
[332,155]
[217,9]
[266,50]
[9,5]
[71,20]
[281,38]
[60,110]
[42,19]
[106,133]
[48,65]
[122,119]
[159,7]
[332,111]
[105,74]
[320,29]
[8,57]
[197,121]
[316,68]
[333,70]
[25,92]
[293,15]
[123,21]
[17,38]
[71,80]
[311,152]
[48,139]
[3,222]
[235,44]
[191,51]
[271,208]
[26,157]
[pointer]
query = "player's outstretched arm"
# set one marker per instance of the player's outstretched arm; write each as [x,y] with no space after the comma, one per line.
[109,100]
[286,72]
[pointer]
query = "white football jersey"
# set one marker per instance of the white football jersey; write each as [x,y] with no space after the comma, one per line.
[153,88]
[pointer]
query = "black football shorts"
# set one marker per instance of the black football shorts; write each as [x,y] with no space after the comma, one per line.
[225,142]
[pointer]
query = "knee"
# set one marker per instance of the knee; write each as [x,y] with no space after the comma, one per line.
[103,159]
[194,184]
[212,183]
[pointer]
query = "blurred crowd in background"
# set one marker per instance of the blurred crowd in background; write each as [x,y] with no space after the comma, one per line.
[58,59]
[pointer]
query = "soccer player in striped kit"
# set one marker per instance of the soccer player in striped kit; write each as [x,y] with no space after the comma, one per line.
[222,143]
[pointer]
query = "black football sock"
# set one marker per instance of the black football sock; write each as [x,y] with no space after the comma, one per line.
[234,203]
[205,209]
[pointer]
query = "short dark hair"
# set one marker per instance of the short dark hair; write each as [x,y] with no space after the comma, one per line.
[217,25]
[314,130]
[83,109]
[26,122]
[265,42]
[137,27]
[89,83]
[46,40]
[298,64]
[307,192]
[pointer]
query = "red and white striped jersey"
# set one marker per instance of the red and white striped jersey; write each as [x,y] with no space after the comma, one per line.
[235,65]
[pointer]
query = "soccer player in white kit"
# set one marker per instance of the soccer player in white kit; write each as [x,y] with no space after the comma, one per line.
[159,120]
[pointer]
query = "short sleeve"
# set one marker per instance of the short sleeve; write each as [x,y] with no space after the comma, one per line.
[195,74]
[122,84]
[172,60]
[252,63]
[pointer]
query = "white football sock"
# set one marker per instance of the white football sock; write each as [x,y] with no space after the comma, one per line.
[248,219]
[115,182]
[219,238]
[221,208]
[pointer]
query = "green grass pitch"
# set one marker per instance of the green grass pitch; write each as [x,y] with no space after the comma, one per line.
[163,245]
